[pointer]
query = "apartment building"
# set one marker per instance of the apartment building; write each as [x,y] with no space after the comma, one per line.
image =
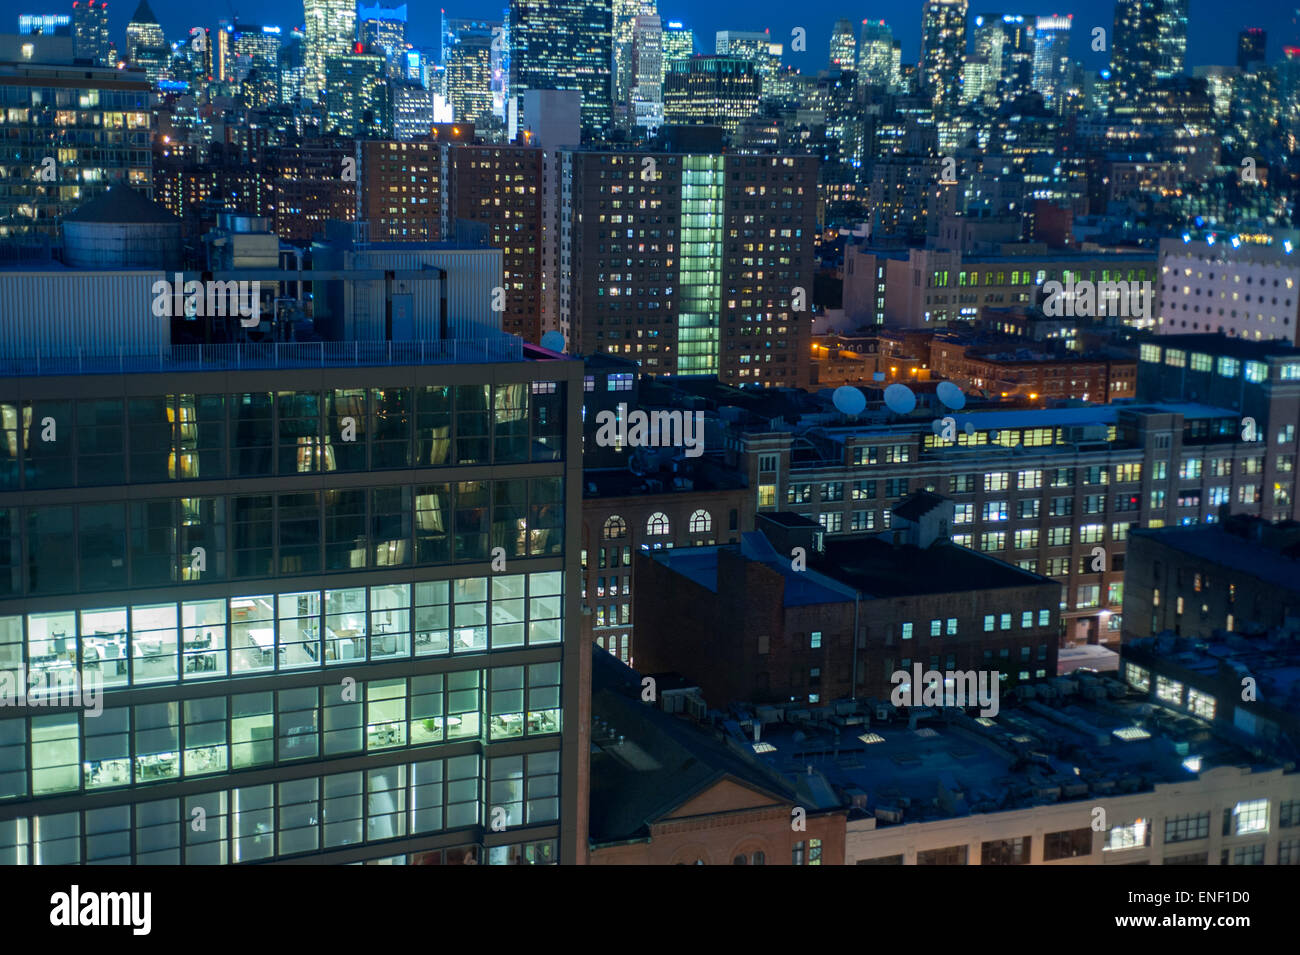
[689,263]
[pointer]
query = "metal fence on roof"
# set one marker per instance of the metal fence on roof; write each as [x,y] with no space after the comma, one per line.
[235,357]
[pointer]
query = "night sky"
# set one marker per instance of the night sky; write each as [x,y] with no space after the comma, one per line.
[1212,30]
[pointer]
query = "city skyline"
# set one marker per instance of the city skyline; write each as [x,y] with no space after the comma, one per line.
[1212,28]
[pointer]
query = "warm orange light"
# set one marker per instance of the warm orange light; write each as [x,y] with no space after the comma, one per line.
[1033,396]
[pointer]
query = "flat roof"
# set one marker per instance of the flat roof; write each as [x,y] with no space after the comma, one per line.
[1211,542]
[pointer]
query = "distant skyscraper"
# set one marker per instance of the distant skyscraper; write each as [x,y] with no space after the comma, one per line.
[385,28]
[1135,51]
[1251,44]
[625,13]
[90,31]
[143,31]
[843,46]
[678,43]
[712,91]
[751,45]
[647,71]
[331,31]
[1171,38]
[357,95]
[255,62]
[1008,42]
[1051,55]
[943,45]
[565,45]
[878,55]
[469,77]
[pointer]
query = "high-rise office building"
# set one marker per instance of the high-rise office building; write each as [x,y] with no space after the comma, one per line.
[1051,56]
[647,72]
[343,673]
[331,30]
[255,62]
[740,269]
[143,34]
[565,45]
[878,55]
[943,45]
[678,43]
[1171,39]
[90,30]
[756,47]
[1007,40]
[356,94]
[712,91]
[625,14]
[1135,51]
[384,28]
[468,77]
[1251,44]
[843,46]
[55,160]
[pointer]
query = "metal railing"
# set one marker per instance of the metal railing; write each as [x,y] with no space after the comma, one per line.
[251,356]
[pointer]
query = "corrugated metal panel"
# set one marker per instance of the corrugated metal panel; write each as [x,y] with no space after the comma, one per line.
[89,313]
[472,274]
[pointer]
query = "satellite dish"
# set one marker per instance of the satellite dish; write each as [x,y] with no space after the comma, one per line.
[849,400]
[899,399]
[951,395]
[554,341]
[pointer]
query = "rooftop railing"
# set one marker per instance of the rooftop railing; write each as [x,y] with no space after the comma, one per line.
[252,356]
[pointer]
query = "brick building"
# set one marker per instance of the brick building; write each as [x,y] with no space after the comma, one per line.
[747,623]
[718,805]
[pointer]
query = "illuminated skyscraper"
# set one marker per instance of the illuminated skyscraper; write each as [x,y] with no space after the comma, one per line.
[878,55]
[943,46]
[1171,38]
[1135,51]
[565,45]
[756,47]
[625,13]
[1008,42]
[678,43]
[1051,55]
[647,72]
[331,31]
[843,46]
[712,91]
[356,94]
[385,28]
[469,76]
[256,63]
[90,31]
[143,31]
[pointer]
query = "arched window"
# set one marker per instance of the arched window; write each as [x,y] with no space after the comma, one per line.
[615,527]
[701,522]
[657,525]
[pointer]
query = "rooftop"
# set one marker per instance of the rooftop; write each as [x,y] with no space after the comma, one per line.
[878,567]
[1081,737]
[1272,561]
[1272,659]
[645,763]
